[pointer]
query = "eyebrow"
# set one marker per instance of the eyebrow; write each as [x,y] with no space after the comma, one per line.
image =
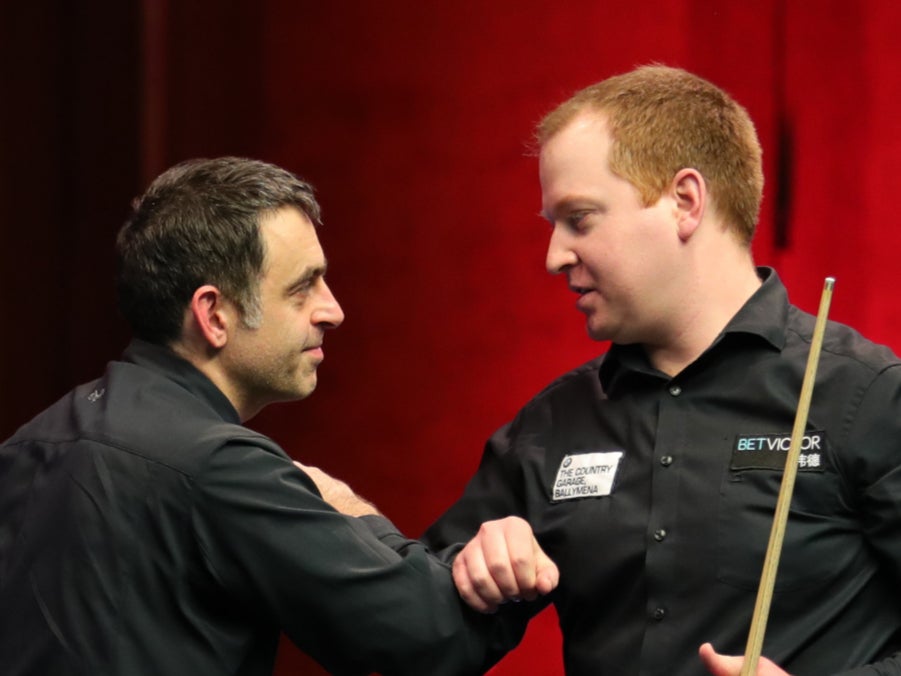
[569,204]
[307,276]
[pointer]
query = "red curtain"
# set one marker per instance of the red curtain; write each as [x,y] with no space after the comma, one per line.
[414,120]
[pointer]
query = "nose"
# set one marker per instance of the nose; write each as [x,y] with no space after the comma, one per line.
[328,314]
[560,255]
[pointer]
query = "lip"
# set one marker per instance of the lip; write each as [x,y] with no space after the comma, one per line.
[578,288]
[583,302]
[315,351]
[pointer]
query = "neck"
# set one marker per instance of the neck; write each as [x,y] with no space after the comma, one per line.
[206,360]
[712,295]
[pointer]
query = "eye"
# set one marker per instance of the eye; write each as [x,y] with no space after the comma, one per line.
[301,290]
[577,220]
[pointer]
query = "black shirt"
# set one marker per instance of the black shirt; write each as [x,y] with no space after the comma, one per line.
[655,496]
[143,530]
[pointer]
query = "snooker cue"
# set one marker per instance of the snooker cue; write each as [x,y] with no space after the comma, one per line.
[777,533]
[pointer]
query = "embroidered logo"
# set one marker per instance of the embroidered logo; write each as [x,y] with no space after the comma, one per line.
[768,451]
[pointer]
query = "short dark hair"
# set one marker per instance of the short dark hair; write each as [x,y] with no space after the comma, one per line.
[199,223]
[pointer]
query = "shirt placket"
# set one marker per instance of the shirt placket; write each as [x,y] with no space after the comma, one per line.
[663,609]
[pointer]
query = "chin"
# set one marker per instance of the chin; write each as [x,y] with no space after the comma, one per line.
[295,391]
[306,388]
[598,333]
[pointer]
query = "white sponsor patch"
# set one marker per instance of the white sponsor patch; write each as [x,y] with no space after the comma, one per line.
[586,475]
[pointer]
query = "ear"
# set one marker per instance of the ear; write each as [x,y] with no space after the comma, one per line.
[689,191]
[211,315]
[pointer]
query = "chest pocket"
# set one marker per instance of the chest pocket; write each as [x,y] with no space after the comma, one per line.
[821,537]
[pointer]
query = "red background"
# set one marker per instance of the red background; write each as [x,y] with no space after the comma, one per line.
[413,120]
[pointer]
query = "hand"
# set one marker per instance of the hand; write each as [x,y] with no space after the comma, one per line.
[337,493]
[503,562]
[726,665]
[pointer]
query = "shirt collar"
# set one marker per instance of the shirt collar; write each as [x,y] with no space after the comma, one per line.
[164,361]
[765,314]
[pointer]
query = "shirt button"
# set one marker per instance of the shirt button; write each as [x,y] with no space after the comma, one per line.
[660,534]
[675,390]
[666,460]
[659,614]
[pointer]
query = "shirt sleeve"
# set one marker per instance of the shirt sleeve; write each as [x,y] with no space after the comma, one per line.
[492,493]
[353,593]
[874,477]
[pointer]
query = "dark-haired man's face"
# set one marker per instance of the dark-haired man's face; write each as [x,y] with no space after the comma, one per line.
[277,361]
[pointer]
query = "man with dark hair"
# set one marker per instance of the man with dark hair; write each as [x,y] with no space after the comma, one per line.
[650,474]
[144,530]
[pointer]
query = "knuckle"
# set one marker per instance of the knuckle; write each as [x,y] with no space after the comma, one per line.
[498,569]
[515,522]
[522,561]
[487,529]
[480,582]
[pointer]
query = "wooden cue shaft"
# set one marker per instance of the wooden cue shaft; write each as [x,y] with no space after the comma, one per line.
[774,549]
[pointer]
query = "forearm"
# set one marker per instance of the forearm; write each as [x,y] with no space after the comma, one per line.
[401,612]
[338,494]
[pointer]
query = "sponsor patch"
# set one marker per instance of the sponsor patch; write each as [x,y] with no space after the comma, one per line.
[768,451]
[586,475]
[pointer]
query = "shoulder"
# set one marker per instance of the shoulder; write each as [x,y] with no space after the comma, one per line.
[579,386]
[842,344]
[136,415]
[576,378]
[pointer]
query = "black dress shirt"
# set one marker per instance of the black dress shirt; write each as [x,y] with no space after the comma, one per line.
[655,496]
[143,530]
